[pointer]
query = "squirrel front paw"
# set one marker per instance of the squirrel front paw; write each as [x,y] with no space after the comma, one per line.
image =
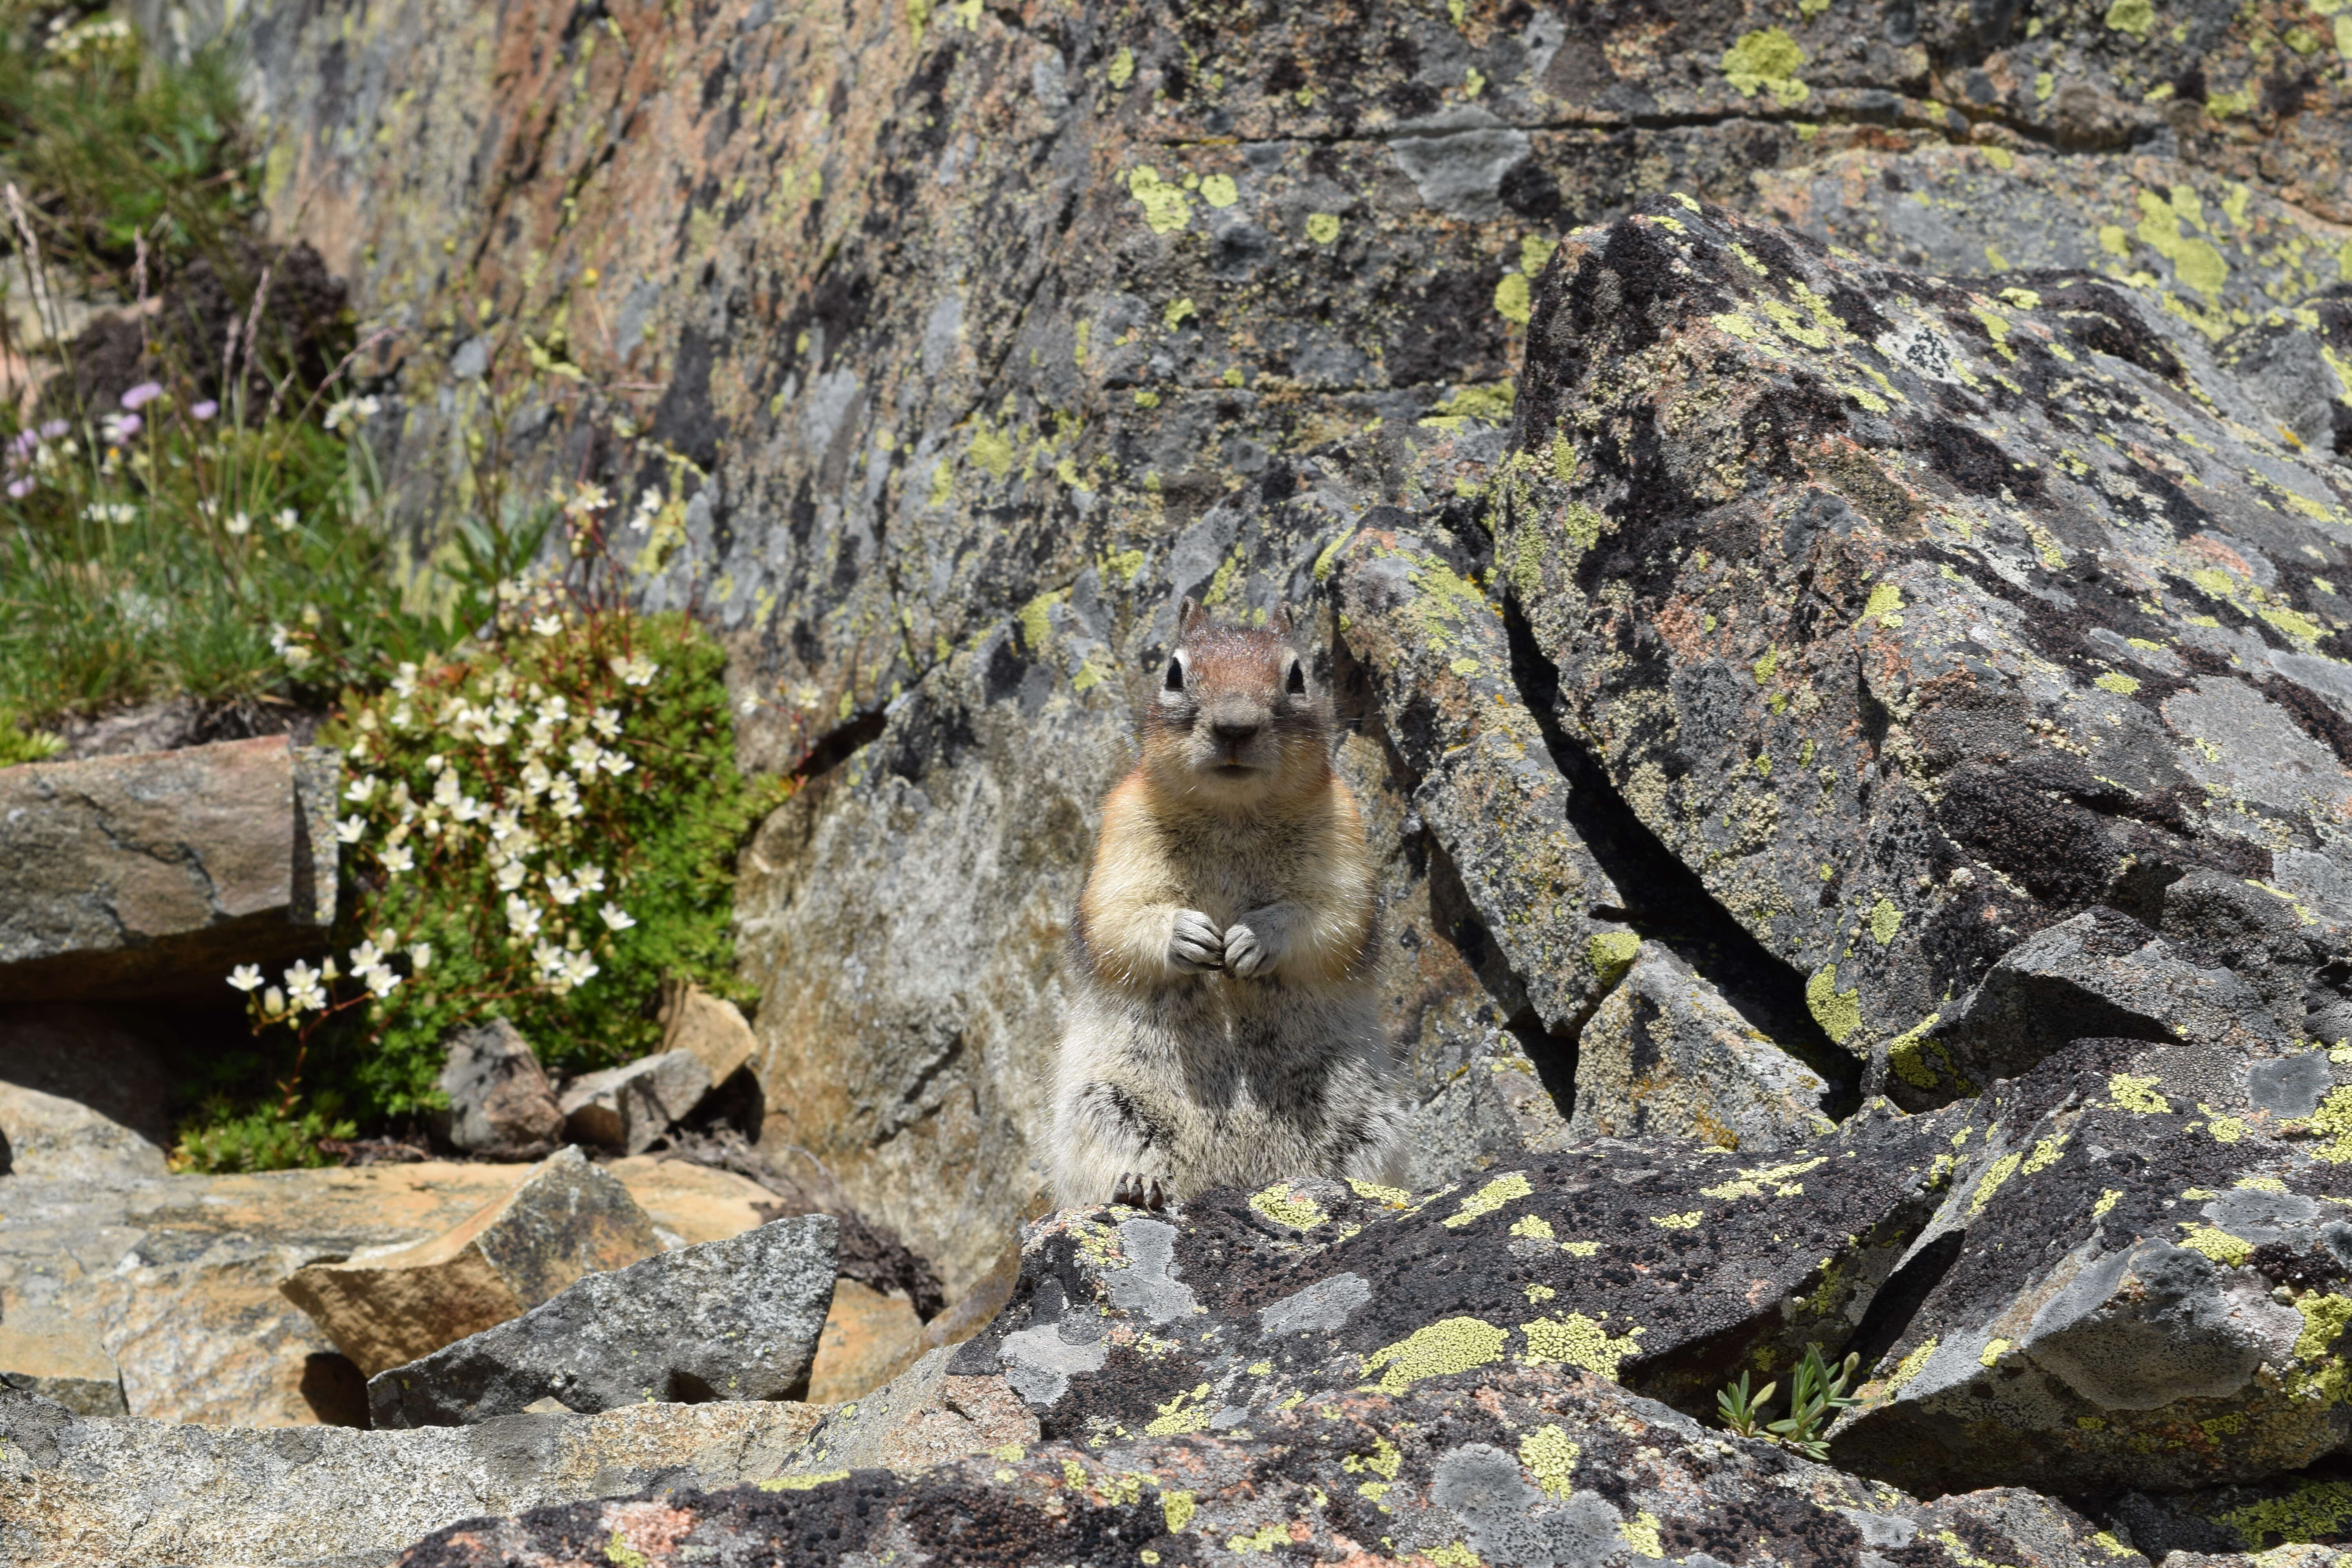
[1193,944]
[1251,949]
[1138,1191]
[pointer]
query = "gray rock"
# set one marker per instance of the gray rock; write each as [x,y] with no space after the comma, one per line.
[51,1353]
[1665,1056]
[727,1319]
[628,1107]
[120,1491]
[501,1103]
[2100,973]
[155,875]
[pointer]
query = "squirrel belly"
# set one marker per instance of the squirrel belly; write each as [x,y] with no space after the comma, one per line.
[1223,1024]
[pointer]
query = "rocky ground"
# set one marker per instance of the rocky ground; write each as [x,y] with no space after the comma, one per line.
[1827,525]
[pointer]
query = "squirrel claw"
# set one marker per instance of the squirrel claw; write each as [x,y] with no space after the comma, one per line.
[1194,943]
[1137,1191]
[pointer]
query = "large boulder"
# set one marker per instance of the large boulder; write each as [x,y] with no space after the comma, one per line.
[2138,1278]
[1875,606]
[564,1219]
[725,1320]
[155,875]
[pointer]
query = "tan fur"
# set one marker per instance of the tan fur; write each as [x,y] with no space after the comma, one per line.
[1256,1053]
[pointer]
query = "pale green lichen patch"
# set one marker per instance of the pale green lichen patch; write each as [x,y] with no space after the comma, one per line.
[1995,1175]
[1576,1341]
[1166,207]
[2333,1120]
[1838,1013]
[802,1483]
[2137,1094]
[1688,1221]
[1611,953]
[1490,1197]
[2216,1244]
[1449,1345]
[1283,1206]
[1884,919]
[1780,1179]
[1534,1226]
[1768,59]
[1550,1455]
[1907,1054]
[2316,1512]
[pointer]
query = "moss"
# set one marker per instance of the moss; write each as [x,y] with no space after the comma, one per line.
[1767,58]
[1576,1341]
[1490,1197]
[1550,1455]
[1450,1345]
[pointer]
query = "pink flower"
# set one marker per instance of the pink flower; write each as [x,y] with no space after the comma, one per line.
[145,393]
[203,410]
[54,429]
[19,488]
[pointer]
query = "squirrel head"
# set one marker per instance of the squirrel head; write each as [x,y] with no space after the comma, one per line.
[1235,718]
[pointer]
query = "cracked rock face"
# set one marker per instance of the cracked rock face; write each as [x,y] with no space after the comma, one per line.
[2138,1278]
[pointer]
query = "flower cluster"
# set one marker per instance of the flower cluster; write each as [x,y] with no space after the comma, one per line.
[36,455]
[350,411]
[81,43]
[305,987]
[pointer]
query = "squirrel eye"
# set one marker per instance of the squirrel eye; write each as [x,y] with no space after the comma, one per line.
[1294,683]
[1175,681]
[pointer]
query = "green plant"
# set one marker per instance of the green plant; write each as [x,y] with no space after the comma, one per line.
[1817,1391]
[18,744]
[1743,1416]
[545,830]
[277,1135]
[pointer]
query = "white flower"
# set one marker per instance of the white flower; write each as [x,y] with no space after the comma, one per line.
[616,764]
[536,779]
[547,626]
[616,918]
[365,957]
[634,670]
[606,722]
[554,711]
[583,753]
[420,956]
[579,969]
[502,826]
[447,788]
[273,1002]
[397,858]
[351,829]
[286,520]
[510,876]
[361,790]
[587,498]
[245,978]
[344,410]
[468,809]
[589,880]
[403,681]
[380,980]
[522,917]
[564,797]
[561,888]
[238,524]
[748,706]
[303,988]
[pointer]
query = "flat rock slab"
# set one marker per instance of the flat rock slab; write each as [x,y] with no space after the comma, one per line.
[1661,1265]
[564,1219]
[629,1106]
[125,1492]
[175,1278]
[155,875]
[1534,1466]
[2141,1276]
[730,1319]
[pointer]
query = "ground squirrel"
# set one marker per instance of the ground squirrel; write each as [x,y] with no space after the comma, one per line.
[1223,1028]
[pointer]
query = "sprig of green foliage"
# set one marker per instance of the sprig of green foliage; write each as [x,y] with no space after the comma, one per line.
[1818,1392]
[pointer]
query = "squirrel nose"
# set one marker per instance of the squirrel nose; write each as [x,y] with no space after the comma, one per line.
[1234,734]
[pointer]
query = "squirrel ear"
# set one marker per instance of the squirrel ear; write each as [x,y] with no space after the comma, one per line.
[1190,617]
[1284,620]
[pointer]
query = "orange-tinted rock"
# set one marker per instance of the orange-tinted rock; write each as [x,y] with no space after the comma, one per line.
[566,1219]
[868,1339]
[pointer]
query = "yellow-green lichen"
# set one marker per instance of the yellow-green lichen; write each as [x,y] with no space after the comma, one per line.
[1550,1455]
[1219,191]
[1642,1533]
[802,1483]
[1514,298]
[1907,1054]
[1884,919]
[2216,1244]
[1449,1345]
[1373,1192]
[1490,1197]
[1991,1355]
[2120,684]
[1532,1225]
[2133,16]
[1767,58]
[1611,953]
[1185,1413]
[1838,1013]
[1910,1366]
[1283,1206]
[1579,1248]
[2333,1120]
[1576,1341]
[1885,603]
[1166,207]
[2137,1094]
[1765,665]
[1322,227]
[1122,64]
[1264,1539]
[1177,1508]
[1996,1173]
[2316,1512]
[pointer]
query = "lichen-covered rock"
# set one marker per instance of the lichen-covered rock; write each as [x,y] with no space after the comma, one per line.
[1915,615]
[2098,973]
[1665,1056]
[2299,1510]
[1539,1466]
[724,1321]
[2138,1278]
[1662,1264]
